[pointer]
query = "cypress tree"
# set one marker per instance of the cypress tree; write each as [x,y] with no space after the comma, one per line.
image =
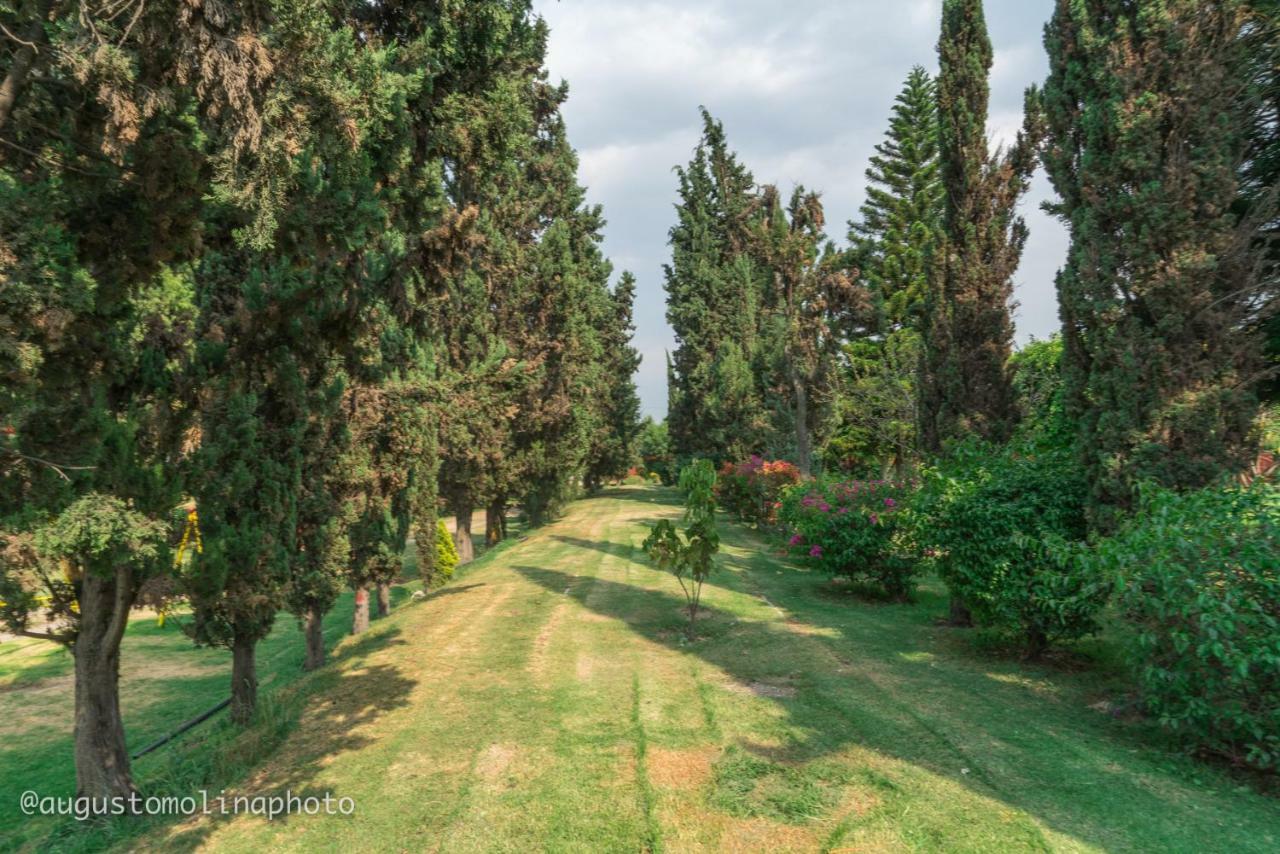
[110,125]
[713,298]
[614,443]
[967,329]
[810,296]
[1148,132]
[1262,172]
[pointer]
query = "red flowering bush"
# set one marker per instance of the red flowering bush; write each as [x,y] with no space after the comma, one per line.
[752,489]
[852,529]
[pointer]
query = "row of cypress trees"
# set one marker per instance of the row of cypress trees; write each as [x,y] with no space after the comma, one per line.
[1157,128]
[759,300]
[305,268]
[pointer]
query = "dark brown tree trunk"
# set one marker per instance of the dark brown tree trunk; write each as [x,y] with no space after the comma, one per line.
[493,523]
[24,59]
[1037,644]
[101,756]
[804,451]
[384,598]
[959,613]
[360,619]
[462,535]
[244,678]
[313,628]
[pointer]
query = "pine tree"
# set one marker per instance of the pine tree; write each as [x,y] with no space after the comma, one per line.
[1148,129]
[893,246]
[967,329]
[903,212]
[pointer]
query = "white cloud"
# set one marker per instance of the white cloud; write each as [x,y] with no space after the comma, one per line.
[804,89]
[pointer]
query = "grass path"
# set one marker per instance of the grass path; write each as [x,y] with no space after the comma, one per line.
[547,701]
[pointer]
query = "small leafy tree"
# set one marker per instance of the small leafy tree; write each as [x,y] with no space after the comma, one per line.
[689,557]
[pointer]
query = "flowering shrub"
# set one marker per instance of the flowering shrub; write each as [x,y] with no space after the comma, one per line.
[852,529]
[752,489]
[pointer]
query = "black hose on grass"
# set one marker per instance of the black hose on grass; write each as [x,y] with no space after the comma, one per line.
[198,719]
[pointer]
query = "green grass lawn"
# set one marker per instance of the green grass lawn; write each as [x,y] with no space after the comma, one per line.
[547,700]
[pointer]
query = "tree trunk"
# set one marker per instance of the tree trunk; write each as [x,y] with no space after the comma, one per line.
[959,615]
[313,628]
[462,536]
[360,620]
[804,452]
[1037,644]
[24,59]
[493,523]
[384,598]
[244,678]
[101,756]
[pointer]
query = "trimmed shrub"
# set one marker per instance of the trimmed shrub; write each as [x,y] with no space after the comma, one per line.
[1003,527]
[446,554]
[752,490]
[1199,578]
[852,529]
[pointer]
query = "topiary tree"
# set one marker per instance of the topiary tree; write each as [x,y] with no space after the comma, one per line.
[446,557]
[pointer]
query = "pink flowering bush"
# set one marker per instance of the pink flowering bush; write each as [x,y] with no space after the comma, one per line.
[752,489]
[852,528]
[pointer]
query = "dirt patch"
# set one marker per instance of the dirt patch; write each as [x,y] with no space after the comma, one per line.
[762,689]
[687,770]
[494,760]
[759,834]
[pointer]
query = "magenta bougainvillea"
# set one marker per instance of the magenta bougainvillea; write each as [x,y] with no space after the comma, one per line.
[851,528]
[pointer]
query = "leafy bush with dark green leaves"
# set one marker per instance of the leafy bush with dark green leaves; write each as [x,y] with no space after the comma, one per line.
[1001,526]
[852,528]
[1199,577]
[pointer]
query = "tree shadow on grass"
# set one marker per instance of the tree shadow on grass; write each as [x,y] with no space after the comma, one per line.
[296,731]
[641,494]
[618,550]
[876,678]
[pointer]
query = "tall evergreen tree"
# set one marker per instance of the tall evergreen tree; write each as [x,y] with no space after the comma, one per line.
[614,444]
[810,297]
[967,329]
[110,125]
[893,248]
[1262,173]
[1148,132]
[713,300]
[903,212]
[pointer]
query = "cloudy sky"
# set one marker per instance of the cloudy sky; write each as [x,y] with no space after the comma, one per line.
[804,90]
